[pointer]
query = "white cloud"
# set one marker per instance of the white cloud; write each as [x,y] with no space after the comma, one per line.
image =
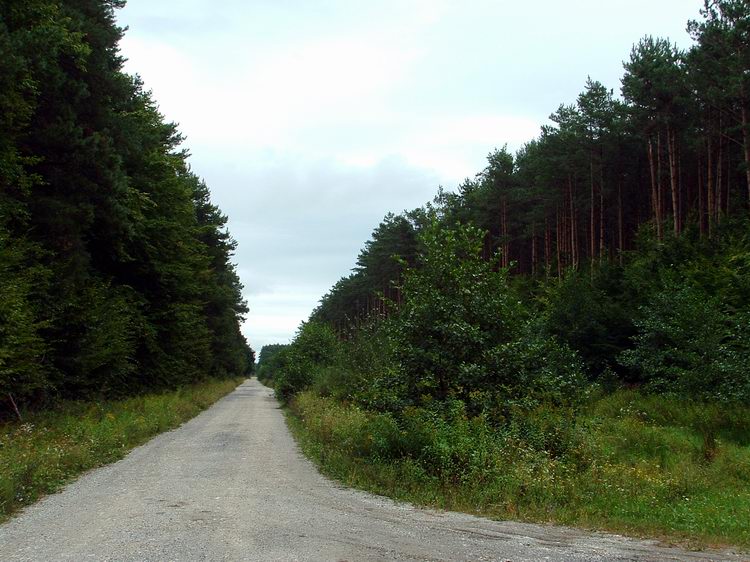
[310,120]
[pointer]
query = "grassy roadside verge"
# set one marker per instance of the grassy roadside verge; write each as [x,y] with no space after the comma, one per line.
[49,449]
[632,464]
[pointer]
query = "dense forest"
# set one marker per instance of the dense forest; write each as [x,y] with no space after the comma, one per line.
[567,336]
[619,237]
[115,266]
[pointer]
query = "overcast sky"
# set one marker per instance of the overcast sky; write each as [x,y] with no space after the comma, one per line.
[311,119]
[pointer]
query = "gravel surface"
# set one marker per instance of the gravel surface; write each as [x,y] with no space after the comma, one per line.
[231,484]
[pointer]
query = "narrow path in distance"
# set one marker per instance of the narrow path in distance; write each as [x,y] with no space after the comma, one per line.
[231,484]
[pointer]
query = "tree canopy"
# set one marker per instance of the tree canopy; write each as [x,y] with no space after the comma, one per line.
[116,269]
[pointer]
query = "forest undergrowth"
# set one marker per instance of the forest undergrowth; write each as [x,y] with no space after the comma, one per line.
[565,337]
[615,398]
[626,463]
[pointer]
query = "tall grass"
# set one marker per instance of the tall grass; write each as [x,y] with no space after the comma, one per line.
[627,463]
[48,449]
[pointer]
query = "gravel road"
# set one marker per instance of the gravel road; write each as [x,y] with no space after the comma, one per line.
[232,485]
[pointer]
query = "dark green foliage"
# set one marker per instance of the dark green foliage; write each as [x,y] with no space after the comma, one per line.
[116,269]
[269,360]
[376,279]
[294,367]
[688,345]
[456,309]
[463,330]
[461,335]
[22,348]
[593,315]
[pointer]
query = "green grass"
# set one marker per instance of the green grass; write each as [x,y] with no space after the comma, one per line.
[634,464]
[49,449]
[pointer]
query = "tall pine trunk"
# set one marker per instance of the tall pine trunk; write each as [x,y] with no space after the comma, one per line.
[673,179]
[620,233]
[533,249]
[719,177]
[592,239]
[557,245]
[602,242]
[710,186]
[659,177]
[654,188]
[547,245]
[701,204]
[746,141]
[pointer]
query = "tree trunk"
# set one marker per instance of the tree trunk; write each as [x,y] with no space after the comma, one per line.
[547,246]
[533,249]
[719,178]
[601,211]
[659,178]
[729,180]
[701,204]
[710,186]
[507,239]
[746,141]
[15,407]
[672,155]
[573,249]
[654,188]
[557,245]
[592,239]
[620,233]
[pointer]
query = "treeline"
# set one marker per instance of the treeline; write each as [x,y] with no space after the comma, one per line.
[672,154]
[567,338]
[619,235]
[115,267]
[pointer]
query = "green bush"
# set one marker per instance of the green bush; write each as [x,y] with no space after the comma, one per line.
[593,314]
[314,347]
[22,348]
[687,344]
[269,361]
[462,329]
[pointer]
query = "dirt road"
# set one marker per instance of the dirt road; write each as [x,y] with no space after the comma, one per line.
[232,485]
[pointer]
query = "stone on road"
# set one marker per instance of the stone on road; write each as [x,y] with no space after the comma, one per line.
[231,484]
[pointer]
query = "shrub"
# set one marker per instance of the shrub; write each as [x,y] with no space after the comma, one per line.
[462,329]
[686,344]
[593,315]
[314,347]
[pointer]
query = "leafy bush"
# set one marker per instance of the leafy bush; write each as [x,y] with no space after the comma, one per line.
[462,329]
[688,345]
[592,313]
[22,348]
[315,347]
[268,361]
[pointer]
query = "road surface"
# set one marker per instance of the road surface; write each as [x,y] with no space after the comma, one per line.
[232,485]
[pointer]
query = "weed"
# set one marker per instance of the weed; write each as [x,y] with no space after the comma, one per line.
[625,462]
